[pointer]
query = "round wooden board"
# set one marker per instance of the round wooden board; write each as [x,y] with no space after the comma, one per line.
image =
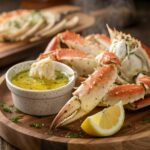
[135,133]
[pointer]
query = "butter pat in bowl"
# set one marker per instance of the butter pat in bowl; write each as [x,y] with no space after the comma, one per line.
[40,99]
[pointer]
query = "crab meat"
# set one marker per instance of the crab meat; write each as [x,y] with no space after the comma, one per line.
[43,69]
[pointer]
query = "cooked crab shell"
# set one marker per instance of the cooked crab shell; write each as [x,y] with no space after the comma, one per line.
[132,54]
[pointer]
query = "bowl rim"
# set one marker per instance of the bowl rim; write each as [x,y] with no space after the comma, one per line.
[71,81]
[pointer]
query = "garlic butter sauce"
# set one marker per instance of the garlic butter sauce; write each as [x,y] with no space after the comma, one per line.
[23,80]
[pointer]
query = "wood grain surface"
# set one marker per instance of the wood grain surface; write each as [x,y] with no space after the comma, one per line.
[135,133]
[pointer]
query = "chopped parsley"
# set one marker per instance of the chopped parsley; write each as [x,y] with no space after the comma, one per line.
[16,118]
[37,125]
[71,135]
[6,108]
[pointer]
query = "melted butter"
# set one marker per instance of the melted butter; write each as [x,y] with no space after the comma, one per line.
[23,80]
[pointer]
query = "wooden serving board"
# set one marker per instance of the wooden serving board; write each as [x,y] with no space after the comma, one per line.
[10,52]
[135,133]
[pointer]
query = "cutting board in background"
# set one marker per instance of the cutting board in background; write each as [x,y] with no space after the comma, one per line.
[11,52]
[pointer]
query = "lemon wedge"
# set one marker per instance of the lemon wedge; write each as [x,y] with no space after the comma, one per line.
[106,122]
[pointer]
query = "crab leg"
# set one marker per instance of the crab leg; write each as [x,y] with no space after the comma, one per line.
[87,96]
[102,40]
[145,81]
[131,94]
[83,63]
[127,93]
[74,41]
[139,104]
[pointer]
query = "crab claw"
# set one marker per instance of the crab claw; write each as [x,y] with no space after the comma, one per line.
[68,112]
[87,96]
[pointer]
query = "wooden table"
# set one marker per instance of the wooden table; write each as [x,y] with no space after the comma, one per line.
[140,30]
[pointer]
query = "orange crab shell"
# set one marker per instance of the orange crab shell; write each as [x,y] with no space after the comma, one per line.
[144,101]
[108,58]
[63,53]
[96,78]
[71,36]
[104,37]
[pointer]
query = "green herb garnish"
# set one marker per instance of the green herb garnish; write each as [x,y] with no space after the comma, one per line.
[15,119]
[5,107]
[59,75]
[37,125]
[71,135]
[50,132]
[146,120]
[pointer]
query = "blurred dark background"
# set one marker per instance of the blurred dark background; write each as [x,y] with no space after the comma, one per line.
[131,16]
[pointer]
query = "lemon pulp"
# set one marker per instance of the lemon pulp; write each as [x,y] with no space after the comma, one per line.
[106,122]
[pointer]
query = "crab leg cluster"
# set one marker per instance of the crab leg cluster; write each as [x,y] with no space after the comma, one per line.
[88,95]
[75,51]
[115,68]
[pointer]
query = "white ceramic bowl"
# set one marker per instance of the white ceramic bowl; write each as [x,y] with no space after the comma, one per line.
[40,102]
